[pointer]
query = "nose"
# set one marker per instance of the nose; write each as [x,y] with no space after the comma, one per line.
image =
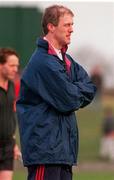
[71,29]
[15,69]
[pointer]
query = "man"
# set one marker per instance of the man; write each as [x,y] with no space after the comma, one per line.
[53,86]
[9,62]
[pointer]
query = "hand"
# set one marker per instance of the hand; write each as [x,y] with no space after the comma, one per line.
[17,152]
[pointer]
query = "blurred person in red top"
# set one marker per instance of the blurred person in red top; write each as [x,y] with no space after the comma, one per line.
[9,63]
[16,87]
[17,84]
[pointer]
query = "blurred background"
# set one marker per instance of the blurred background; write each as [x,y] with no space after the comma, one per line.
[92,46]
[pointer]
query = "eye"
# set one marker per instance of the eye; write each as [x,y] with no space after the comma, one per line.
[67,25]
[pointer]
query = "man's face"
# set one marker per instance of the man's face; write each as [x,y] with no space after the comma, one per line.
[10,68]
[62,32]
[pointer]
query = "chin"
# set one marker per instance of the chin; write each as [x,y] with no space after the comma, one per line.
[11,78]
[68,43]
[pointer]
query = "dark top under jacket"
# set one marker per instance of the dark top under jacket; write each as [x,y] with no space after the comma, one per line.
[49,97]
[7,115]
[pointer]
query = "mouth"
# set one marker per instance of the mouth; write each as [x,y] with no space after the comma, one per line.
[68,36]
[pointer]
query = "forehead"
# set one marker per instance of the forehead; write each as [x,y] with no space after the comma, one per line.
[12,59]
[66,18]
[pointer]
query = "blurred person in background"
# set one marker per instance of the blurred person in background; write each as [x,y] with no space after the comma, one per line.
[17,83]
[52,87]
[9,63]
[97,79]
[107,141]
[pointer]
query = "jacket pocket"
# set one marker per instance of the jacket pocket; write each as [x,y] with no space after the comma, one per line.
[56,137]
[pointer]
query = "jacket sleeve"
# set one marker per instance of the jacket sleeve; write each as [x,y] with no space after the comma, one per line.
[50,81]
[84,83]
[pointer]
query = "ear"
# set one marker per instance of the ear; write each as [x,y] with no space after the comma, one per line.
[51,27]
[1,66]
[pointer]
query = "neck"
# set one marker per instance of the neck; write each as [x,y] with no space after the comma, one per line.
[53,42]
[3,83]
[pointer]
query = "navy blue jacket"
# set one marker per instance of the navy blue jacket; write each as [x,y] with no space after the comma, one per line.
[49,97]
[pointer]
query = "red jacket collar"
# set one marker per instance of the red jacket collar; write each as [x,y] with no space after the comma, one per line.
[51,50]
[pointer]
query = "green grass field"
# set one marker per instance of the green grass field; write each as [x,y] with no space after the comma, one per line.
[89,122]
[19,175]
[94,176]
[77,176]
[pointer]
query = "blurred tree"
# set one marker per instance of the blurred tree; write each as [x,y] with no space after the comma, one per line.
[19,29]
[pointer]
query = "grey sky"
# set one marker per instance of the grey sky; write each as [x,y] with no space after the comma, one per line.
[93,24]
